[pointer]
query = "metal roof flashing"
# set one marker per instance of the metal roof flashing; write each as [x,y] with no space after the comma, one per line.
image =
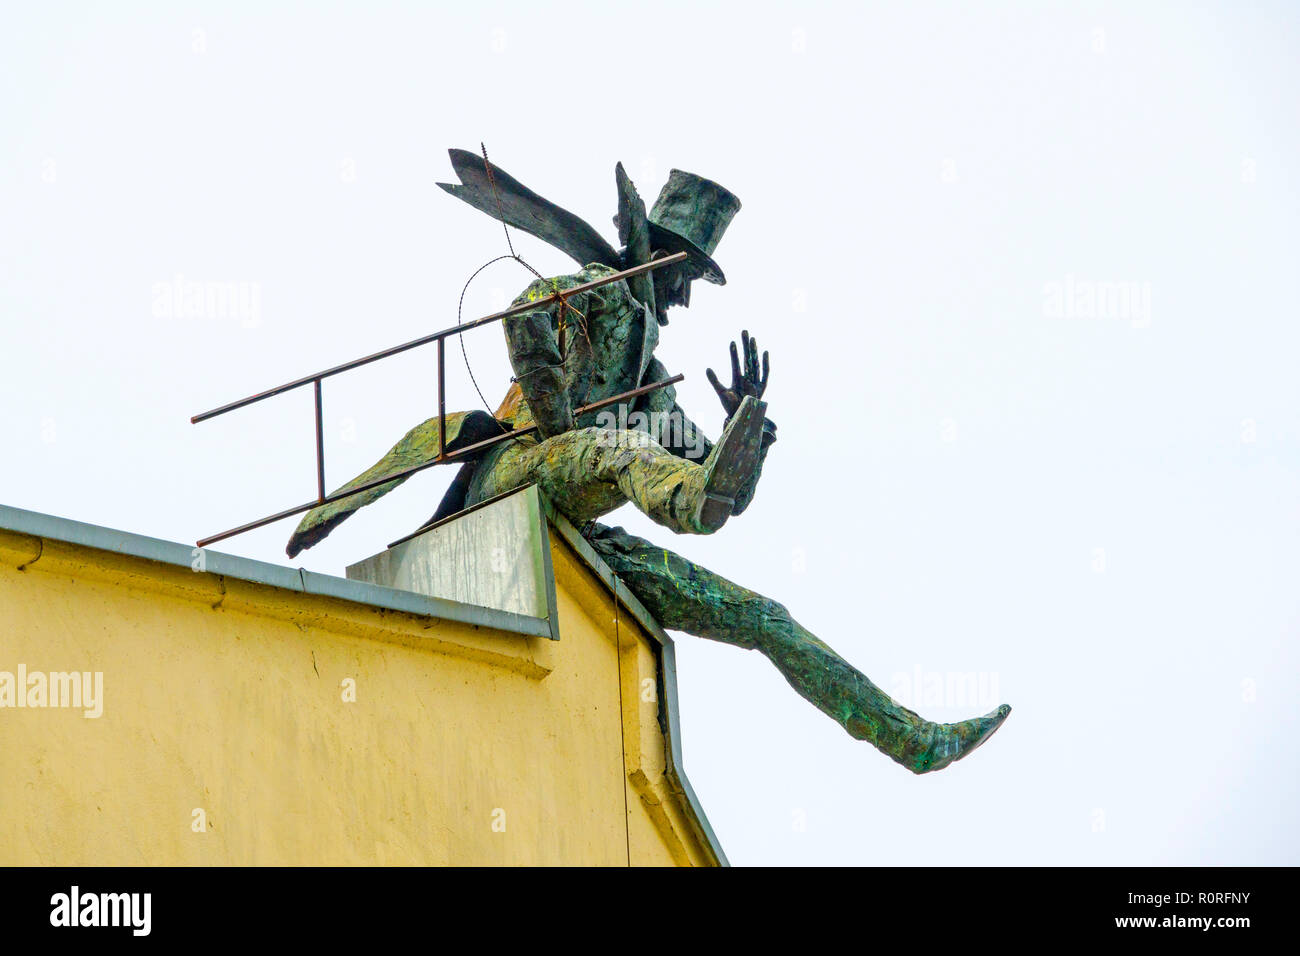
[217,563]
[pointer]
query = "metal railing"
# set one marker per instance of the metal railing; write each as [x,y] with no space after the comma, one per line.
[440,338]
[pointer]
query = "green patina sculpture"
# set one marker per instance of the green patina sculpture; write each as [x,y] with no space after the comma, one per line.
[645,450]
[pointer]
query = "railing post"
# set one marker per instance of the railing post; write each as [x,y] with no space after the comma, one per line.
[442,400]
[320,448]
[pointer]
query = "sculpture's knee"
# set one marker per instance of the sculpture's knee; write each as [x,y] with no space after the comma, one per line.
[756,623]
[776,621]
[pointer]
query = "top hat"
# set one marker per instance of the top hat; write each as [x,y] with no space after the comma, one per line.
[690,216]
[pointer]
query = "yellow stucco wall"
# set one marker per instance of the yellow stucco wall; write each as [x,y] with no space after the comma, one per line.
[463,745]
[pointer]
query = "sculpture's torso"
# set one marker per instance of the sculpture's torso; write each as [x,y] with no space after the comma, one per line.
[612,355]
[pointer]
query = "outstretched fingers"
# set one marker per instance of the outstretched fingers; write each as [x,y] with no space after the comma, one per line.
[751,360]
[748,374]
[713,380]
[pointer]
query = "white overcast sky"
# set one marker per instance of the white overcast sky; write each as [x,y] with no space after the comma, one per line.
[1097,515]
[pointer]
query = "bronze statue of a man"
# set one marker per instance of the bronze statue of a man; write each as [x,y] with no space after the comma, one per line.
[600,344]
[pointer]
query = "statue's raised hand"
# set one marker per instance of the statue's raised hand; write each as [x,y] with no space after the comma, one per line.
[746,381]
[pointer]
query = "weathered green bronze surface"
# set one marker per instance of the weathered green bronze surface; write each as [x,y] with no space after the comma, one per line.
[645,451]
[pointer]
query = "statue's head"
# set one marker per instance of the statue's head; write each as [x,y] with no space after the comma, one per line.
[690,215]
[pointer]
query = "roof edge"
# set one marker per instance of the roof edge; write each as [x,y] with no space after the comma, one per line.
[219,563]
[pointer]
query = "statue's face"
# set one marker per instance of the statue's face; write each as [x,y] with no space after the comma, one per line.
[672,286]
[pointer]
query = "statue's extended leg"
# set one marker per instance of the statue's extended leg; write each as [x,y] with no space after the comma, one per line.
[686,597]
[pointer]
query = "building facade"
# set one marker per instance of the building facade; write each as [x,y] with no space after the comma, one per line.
[165,705]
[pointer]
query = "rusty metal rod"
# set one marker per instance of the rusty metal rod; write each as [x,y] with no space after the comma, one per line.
[445,333]
[459,453]
[442,399]
[320,447]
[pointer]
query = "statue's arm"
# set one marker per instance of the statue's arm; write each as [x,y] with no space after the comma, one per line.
[538,342]
[539,370]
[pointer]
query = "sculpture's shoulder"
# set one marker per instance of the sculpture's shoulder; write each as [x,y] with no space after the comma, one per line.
[614,293]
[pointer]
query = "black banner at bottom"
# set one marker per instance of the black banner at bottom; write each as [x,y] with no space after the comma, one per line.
[112,906]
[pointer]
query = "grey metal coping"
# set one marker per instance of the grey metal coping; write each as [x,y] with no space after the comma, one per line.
[44,526]
[261,572]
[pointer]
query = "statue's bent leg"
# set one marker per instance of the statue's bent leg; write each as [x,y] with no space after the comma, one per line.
[588,472]
[685,596]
